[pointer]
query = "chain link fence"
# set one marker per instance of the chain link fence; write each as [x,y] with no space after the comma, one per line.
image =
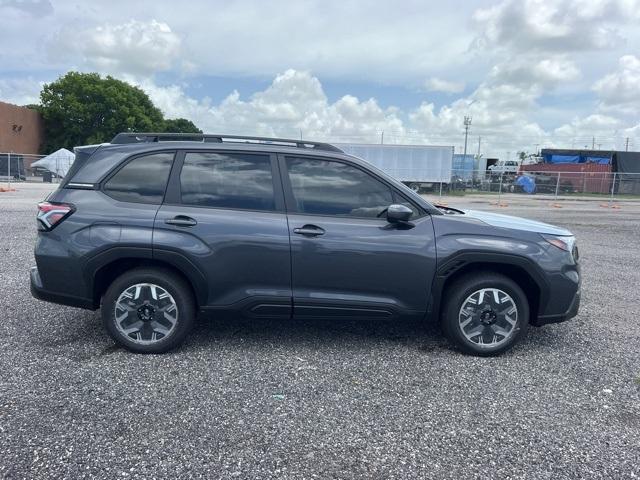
[17,167]
[603,185]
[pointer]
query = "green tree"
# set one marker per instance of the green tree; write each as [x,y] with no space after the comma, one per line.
[84,108]
[180,125]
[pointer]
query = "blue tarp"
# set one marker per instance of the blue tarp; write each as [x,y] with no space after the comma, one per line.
[564,159]
[557,158]
[528,184]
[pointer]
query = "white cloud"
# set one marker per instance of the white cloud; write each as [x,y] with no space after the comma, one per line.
[20,91]
[537,71]
[35,8]
[399,44]
[595,130]
[554,25]
[294,102]
[541,72]
[133,47]
[594,123]
[502,106]
[620,90]
[435,84]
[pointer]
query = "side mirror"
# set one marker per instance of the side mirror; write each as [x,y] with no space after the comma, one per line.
[398,213]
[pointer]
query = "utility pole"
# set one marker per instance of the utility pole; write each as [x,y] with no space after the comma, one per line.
[382,138]
[626,145]
[536,145]
[593,143]
[476,165]
[467,124]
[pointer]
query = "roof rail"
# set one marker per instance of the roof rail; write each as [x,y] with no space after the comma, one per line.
[123,138]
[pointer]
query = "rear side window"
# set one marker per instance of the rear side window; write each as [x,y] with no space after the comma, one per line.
[142,180]
[227,180]
[324,187]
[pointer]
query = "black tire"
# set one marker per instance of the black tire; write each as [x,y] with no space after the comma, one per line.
[180,294]
[461,290]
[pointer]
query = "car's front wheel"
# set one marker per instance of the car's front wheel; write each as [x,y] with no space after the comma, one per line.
[148,310]
[485,313]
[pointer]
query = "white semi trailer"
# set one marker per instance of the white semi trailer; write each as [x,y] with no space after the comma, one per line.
[418,166]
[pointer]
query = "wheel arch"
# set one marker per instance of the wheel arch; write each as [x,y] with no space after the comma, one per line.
[105,268]
[521,270]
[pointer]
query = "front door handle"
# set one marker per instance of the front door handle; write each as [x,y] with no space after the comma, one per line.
[181,221]
[309,231]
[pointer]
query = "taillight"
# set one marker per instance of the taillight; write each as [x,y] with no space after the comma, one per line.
[51,214]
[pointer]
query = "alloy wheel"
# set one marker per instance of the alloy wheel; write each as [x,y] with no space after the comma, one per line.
[488,317]
[145,313]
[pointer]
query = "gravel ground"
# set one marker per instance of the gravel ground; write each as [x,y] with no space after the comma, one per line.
[317,399]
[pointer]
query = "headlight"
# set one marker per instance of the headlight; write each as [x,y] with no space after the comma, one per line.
[564,242]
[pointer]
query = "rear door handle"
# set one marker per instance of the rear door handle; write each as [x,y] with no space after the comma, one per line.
[309,231]
[181,221]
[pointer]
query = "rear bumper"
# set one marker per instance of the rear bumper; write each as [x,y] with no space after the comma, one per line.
[39,292]
[569,314]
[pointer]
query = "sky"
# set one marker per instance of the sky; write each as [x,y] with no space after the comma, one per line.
[529,73]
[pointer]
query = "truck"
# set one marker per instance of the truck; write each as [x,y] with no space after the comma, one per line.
[506,168]
[420,167]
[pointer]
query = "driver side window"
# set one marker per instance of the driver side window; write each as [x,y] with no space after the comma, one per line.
[325,187]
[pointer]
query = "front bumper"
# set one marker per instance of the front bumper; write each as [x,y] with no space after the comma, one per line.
[569,314]
[39,292]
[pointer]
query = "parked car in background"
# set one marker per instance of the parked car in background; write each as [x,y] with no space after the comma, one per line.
[154,228]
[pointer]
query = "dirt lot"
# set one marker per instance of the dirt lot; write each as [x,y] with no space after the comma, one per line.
[320,399]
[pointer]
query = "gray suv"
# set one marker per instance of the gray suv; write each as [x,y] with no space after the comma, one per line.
[156,228]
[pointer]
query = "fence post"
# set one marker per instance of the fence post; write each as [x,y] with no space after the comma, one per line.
[9,169]
[557,187]
[500,188]
[613,186]
[441,187]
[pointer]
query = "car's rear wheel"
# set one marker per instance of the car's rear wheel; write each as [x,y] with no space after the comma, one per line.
[148,310]
[485,313]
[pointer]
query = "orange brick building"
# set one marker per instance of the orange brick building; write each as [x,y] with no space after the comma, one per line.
[21,130]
